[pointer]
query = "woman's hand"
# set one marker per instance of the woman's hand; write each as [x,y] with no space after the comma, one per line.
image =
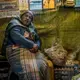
[34,49]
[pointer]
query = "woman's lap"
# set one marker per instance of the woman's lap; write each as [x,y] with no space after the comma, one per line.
[34,67]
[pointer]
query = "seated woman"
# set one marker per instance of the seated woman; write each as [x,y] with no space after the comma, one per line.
[22,49]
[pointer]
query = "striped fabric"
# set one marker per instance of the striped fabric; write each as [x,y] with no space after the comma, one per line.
[27,65]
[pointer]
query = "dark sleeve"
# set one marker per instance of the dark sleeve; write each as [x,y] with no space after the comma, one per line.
[38,43]
[18,38]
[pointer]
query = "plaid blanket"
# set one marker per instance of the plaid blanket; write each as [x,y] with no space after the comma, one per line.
[27,65]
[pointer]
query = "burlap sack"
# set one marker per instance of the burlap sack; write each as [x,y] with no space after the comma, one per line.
[72,62]
[57,54]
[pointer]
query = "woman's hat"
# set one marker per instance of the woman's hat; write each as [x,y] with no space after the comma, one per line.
[24,12]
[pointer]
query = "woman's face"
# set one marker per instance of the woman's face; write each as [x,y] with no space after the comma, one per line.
[26,19]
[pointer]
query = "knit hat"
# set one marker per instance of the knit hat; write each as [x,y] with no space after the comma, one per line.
[24,12]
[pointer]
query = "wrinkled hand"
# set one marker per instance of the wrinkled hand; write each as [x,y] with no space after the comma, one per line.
[34,49]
